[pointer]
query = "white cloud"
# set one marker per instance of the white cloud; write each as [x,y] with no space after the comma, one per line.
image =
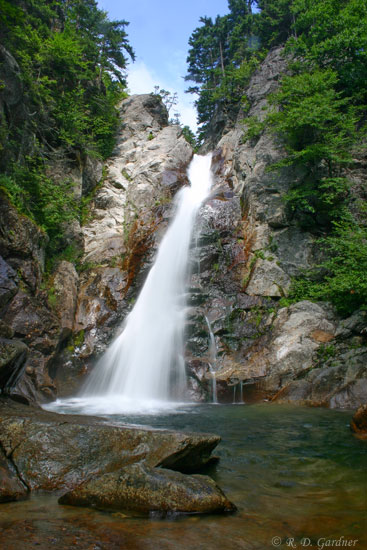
[141,80]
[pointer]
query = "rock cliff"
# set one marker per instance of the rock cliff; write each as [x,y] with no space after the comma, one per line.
[248,251]
[244,256]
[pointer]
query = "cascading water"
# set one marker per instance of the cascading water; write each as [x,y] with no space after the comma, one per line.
[144,367]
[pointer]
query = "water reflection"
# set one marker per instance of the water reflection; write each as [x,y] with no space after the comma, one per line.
[293,473]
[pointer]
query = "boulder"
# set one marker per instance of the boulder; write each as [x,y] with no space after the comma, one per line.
[53,452]
[359,421]
[145,490]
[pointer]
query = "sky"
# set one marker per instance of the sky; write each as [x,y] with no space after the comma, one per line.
[159,32]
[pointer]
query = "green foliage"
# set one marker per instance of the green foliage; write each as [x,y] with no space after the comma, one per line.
[222,57]
[255,128]
[72,62]
[51,205]
[190,137]
[342,277]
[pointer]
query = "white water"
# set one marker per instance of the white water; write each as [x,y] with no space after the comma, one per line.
[143,369]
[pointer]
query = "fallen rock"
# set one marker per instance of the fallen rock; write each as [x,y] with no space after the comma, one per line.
[359,421]
[52,451]
[147,490]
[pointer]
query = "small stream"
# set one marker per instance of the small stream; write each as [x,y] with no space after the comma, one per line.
[294,473]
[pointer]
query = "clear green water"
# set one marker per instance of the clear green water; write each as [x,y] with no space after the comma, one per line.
[294,473]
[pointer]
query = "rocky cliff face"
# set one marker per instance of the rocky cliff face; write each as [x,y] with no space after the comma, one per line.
[248,252]
[48,337]
[245,253]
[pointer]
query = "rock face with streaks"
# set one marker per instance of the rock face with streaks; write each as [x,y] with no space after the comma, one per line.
[247,252]
[128,215]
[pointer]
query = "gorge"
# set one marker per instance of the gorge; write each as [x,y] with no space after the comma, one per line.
[179,294]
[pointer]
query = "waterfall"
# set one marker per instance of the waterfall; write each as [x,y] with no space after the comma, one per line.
[145,362]
[212,360]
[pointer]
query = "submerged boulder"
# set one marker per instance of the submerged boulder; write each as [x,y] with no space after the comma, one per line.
[145,490]
[359,421]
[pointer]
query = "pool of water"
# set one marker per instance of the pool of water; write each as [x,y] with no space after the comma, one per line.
[297,476]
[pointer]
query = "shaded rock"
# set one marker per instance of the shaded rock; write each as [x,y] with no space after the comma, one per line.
[65,283]
[12,362]
[91,175]
[8,286]
[11,487]
[339,382]
[25,239]
[359,421]
[31,321]
[5,330]
[356,323]
[36,383]
[12,89]
[146,490]
[52,451]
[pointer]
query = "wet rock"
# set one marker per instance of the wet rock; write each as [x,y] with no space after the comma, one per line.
[53,451]
[65,283]
[147,490]
[11,487]
[359,421]
[12,362]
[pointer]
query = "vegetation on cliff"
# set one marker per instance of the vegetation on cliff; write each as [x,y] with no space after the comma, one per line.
[318,115]
[66,61]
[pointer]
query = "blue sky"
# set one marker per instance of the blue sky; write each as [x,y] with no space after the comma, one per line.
[159,32]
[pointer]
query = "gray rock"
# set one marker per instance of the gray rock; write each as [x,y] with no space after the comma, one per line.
[52,451]
[147,490]
[65,283]
[268,279]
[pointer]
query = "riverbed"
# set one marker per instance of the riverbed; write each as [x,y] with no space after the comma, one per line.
[297,476]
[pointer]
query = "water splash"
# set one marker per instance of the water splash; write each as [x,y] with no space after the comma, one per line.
[144,367]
